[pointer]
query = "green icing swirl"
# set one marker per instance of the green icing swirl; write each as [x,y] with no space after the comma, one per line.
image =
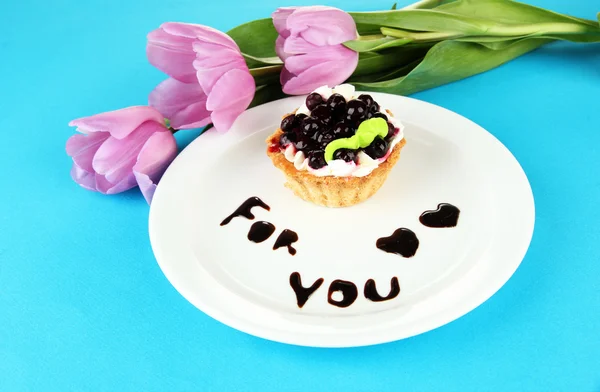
[365,134]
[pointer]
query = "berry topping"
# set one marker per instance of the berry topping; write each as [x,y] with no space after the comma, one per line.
[313,100]
[300,117]
[310,126]
[325,138]
[345,154]
[289,123]
[380,115]
[286,138]
[391,131]
[302,144]
[356,111]
[377,149]
[316,159]
[374,108]
[342,130]
[366,98]
[322,113]
[337,104]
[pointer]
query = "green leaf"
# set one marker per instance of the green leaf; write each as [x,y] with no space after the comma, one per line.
[394,6]
[263,60]
[256,40]
[389,60]
[367,29]
[266,75]
[375,43]
[509,12]
[386,74]
[426,4]
[480,18]
[423,20]
[450,61]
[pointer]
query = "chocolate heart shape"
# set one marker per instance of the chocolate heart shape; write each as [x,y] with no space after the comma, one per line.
[403,242]
[446,215]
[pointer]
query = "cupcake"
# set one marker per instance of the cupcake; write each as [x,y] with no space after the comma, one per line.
[337,149]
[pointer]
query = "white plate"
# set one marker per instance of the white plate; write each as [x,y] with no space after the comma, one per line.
[246,285]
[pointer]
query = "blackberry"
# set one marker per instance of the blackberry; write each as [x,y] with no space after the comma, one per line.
[345,154]
[322,113]
[289,123]
[286,138]
[377,149]
[310,126]
[316,159]
[356,111]
[366,98]
[313,100]
[342,130]
[337,106]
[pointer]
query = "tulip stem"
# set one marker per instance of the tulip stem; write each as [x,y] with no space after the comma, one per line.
[419,37]
[266,75]
[426,4]
[499,30]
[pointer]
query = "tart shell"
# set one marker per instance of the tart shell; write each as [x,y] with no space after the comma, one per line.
[331,191]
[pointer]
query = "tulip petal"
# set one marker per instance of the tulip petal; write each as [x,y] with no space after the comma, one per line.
[204,33]
[213,61]
[330,73]
[83,147]
[147,187]
[171,54]
[235,88]
[280,17]
[115,158]
[86,179]
[156,155]
[210,55]
[295,44]
[119,123]
[301,62]
[184,104]
[109,188]
[322,25]
[223,119]
[285,76]
[279,48]
[230,96]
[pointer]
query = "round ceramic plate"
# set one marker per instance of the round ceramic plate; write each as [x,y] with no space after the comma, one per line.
[246,285]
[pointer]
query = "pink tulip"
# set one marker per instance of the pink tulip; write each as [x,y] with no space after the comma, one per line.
[310,44]
[210,81]
[121,149]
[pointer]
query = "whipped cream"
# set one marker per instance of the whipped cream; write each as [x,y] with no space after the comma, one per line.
[339,167]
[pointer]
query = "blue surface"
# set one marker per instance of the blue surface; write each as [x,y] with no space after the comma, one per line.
[84,306]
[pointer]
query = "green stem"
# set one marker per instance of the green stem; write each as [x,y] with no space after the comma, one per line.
[539,29]
[500,30]
[266,75]
[426,4]
[370,37]
[419,37]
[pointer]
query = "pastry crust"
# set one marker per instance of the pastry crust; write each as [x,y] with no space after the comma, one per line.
[331,191]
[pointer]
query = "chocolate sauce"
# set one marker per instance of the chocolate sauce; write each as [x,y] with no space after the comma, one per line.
[372,294]
[245,209]
[348,289]
[286,238]
[260,231]
[446,215]
[403,242]
[303,293]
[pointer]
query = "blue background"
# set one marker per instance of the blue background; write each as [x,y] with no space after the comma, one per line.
[84,306]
